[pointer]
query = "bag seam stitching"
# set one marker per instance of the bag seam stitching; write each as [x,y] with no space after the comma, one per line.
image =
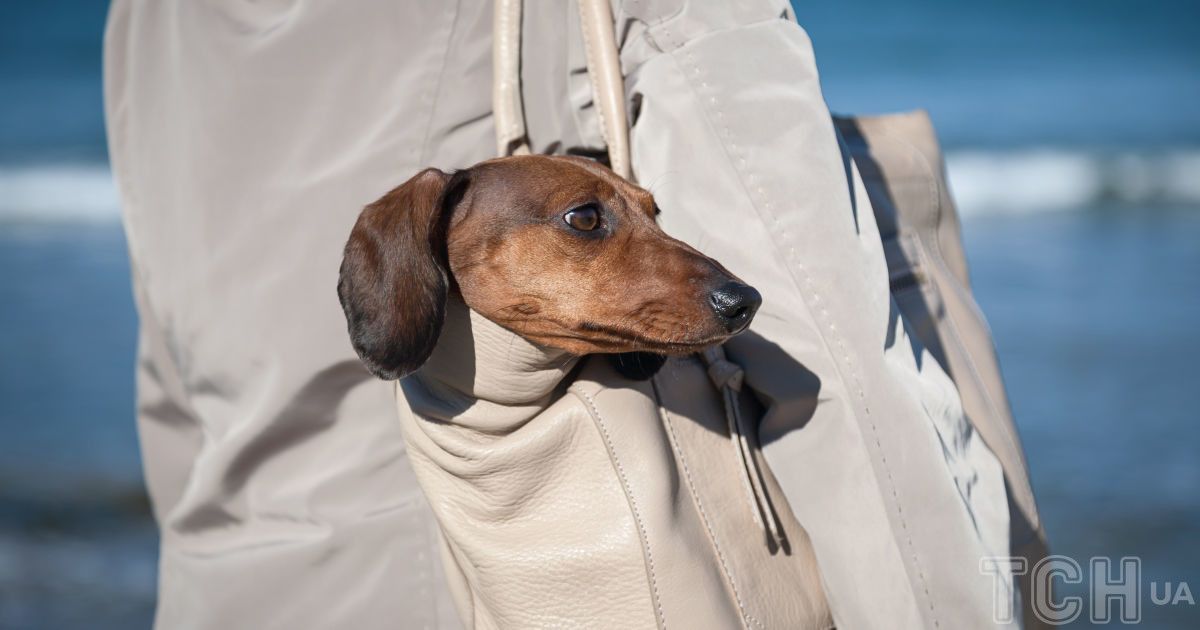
[637,517]
[687,473]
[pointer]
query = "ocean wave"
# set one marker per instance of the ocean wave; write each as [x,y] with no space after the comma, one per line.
[982,181]
[58,192]
[1046,180]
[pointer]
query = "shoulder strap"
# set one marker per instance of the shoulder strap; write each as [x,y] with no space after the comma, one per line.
[508,110]
[604,69]
[608,86]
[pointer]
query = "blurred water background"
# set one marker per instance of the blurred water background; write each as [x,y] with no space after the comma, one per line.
[1073,136]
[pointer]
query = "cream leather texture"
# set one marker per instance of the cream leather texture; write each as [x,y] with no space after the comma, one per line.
[572,497]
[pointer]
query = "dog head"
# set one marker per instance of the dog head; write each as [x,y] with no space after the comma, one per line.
[559,250]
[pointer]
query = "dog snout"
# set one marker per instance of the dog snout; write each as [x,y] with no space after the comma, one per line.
[734,305]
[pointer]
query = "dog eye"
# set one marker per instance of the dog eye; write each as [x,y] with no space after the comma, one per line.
[584,218]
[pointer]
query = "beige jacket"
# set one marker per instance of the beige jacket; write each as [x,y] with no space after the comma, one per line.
[246,137]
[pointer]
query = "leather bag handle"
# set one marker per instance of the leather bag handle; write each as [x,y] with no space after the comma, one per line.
[604,70]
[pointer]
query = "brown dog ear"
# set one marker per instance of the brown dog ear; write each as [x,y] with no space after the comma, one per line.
[393,279]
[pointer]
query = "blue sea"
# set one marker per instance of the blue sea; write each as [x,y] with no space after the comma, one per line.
[1072,130]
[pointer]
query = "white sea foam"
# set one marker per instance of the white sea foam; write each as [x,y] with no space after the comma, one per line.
[1043,180]
[58,192]
[983,182]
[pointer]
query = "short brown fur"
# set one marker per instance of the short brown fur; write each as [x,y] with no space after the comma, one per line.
[499,228]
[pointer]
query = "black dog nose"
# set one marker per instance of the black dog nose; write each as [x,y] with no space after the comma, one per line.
[735,304]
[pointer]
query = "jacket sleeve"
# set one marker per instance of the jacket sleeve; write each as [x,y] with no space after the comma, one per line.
[864,431]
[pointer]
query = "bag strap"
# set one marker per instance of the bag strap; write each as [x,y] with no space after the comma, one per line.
[603,66]
[509,111]
[608,85]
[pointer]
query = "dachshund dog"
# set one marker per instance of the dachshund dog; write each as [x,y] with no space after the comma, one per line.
[559,250]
